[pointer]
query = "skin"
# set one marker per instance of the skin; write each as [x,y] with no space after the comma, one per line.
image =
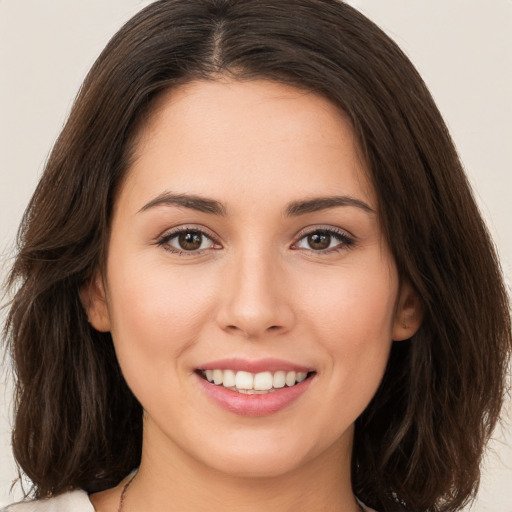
[256,288]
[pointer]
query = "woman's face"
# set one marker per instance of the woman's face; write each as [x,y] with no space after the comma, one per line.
[245,241]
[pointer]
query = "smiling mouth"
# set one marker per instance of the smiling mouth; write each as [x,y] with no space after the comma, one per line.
[254,383]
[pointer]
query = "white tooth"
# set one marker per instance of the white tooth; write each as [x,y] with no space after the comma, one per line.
[290,378]
[279,379]
[263,381]
[209,375]
[229,379]
[243,380]
[217,376]
[301,376]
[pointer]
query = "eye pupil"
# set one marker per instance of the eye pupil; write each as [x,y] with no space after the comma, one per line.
[190,240]
[319,240]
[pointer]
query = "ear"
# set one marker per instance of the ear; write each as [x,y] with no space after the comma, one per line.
[408,314]
[93,297]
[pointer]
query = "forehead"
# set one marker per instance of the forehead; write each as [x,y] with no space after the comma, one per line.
[262,136]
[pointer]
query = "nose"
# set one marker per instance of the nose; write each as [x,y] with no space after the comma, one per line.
[255,302]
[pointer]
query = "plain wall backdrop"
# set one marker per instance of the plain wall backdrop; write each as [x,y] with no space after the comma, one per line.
[462,48]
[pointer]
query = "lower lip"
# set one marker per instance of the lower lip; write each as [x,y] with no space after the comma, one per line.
[254,405]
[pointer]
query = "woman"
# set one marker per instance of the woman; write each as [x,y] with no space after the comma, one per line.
[253,276]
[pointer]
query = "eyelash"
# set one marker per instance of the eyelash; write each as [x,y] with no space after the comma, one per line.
[164,240]
[345,241]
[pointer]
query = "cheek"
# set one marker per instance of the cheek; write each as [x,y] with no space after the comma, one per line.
[352,316]
[155,315]
[354,302]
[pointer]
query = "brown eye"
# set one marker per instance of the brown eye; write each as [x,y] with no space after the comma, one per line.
[319,240]
[324,240]
[189,240]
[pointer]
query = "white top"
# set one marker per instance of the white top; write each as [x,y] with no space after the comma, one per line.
[74,501]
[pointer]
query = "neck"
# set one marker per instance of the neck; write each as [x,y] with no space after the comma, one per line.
[172,482]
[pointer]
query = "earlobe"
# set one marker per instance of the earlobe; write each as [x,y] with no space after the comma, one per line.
[93,297]
[409,313]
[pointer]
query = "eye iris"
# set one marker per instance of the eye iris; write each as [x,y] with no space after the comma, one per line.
[190,240]
[319,240]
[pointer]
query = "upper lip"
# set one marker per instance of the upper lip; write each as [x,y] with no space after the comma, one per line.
[254,366]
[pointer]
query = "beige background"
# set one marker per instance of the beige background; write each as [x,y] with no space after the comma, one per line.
[463,48]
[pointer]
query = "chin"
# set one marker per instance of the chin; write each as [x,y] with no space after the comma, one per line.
[268,465]
[263,458]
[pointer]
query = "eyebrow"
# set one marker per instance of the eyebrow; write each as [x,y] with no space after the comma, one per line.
[294,209]
[316,204]
[201,204]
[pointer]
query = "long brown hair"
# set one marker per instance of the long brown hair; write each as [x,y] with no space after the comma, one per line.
[420,441]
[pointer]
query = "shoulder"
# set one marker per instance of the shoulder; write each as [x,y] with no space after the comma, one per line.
[74,501]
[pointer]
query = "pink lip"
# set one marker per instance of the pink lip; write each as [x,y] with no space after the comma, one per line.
[256,366]
[254,405]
